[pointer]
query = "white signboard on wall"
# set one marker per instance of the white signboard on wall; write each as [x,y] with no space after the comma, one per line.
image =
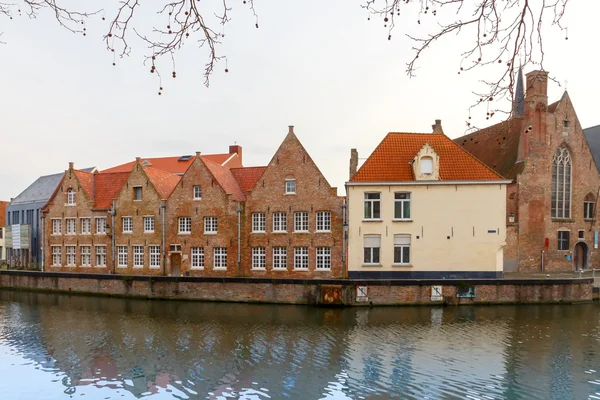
[16,236]
[436,293]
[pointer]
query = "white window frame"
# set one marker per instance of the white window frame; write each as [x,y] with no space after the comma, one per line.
[369,206]
[197,258]
[149,224]
[372,242]
[280,258]
[290,186]
[197,191]
[100,255]
[122,256]
[323,259]
[259,222]
[56,226]
[56,256]
[560,240]
[127,224]
[279,222]
[138,256]
[220,258]
[154,256]
[259,258]
[70,197]
[301,221]
[184,225]
[588,210]
[71,226]
[402,242]
[400,202]
[323,221]
[86,226]
[100,225]
[301,258]
[85,254]
[136,190]
[210,225]
[71,253]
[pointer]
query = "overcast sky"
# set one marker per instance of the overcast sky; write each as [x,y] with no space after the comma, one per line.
[318,65]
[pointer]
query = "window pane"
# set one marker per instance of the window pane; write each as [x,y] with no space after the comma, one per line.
[397,209]
[397,254]
[376,255]
[407,209]
[367,255]
[406,254]
[376,210]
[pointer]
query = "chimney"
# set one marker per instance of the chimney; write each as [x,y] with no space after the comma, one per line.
[71,165]
[198,153]
[236,149]
[537,88]
[137,159]
[353,162]
[290,129]
[437,127]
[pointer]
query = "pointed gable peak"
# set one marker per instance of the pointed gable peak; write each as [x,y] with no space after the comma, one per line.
[519,96]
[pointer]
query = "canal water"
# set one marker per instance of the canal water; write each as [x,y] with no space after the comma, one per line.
[61,347]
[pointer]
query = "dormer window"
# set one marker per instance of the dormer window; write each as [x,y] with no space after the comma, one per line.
[427,165]
[70,197]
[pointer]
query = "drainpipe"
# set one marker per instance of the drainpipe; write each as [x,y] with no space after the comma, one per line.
[239,241]
[163,207]
[41,232]
[344,238]
[542,260]
[113,234]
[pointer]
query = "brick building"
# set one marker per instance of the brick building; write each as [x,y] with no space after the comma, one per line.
[550,204]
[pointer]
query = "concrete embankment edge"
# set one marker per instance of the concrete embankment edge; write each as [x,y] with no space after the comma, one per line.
[341,292]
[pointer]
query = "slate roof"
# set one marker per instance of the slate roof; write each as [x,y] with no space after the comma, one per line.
[41,189]
[592,136]
[164,182]
[390,161]
[247,177]
[174,166]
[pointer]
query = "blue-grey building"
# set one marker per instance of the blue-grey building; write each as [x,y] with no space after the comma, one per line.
[24,210]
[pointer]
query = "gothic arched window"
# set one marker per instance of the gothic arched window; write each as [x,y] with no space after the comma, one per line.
[561,184]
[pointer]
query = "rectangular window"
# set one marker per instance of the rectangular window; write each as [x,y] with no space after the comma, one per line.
[197,258]
[197,192]
[372,205]
[323,257]
[563,240]
[402,249]
[56,256]
[185,225]
[258,222]
[71,197]
[290,186]
[401,205]
[137,193]
[122,256]
[154,256]
[372,246]
[323,221]
[279,258]
[127,224]
[71,260]
[71,226]
[220,258]
[301,258]
[100,226]
[588,210]
[279,222]
[86,226]
[581,234]
[149,224]
[301,221]
[138,256]
[210,224]
[86,256]
[259,259]
[57,226]
[100,256]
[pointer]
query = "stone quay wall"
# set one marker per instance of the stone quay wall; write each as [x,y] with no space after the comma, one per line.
[340,292]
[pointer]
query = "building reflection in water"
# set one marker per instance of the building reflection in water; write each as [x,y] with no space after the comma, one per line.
[210,350]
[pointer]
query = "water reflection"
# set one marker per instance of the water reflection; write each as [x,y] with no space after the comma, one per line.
[102,348]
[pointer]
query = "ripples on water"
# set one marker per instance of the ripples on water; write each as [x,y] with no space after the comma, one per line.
[59,347]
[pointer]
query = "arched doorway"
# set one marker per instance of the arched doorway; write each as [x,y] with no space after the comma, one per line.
[580,255]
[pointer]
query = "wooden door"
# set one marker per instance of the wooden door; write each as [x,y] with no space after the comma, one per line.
[176,264]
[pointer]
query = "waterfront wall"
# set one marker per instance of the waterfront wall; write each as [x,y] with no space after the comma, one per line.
[316,292]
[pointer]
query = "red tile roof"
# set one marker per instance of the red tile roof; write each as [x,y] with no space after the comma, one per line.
[174,166]
[164,182]
[390,160]
[107,187]
[86,181]
[225,178]
[3,205]
[247,177]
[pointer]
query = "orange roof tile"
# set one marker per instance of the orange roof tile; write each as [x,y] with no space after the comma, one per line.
[173,165]
[107,187]
[86,181]
[247,177]
[390,160]
[163,181]
[3,205]
[225,178]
